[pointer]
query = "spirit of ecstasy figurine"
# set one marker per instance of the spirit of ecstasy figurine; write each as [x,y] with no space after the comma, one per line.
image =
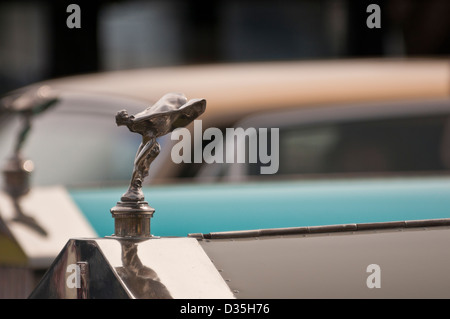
[17,170]
[172,111]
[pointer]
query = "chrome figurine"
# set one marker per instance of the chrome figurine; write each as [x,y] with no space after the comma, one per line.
[172,111]
[17,170]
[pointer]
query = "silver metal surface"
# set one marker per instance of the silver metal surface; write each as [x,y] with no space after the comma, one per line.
[413,263]
[62,280]
[124,268]
[132,219]
[322,229]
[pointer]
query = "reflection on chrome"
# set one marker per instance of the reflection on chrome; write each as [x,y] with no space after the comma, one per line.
[142,281]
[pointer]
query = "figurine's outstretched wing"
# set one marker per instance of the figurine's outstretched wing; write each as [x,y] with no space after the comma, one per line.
[170,112]
[169,102]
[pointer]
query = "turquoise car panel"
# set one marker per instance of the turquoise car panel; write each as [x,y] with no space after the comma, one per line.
[203,208]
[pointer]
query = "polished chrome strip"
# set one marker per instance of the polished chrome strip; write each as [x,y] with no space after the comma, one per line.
[322,229]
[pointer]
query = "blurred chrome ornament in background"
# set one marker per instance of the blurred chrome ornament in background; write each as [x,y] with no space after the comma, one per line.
[17,170]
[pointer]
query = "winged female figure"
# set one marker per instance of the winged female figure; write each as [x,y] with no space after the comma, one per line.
[172,111]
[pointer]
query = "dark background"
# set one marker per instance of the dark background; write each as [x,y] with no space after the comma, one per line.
[36,44]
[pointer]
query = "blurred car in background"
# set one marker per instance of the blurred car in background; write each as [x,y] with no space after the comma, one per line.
[360,141]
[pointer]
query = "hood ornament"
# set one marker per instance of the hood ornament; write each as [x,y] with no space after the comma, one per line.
[17,170]
[132,213]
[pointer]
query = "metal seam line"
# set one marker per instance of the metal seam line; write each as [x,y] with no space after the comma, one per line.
[322,229]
